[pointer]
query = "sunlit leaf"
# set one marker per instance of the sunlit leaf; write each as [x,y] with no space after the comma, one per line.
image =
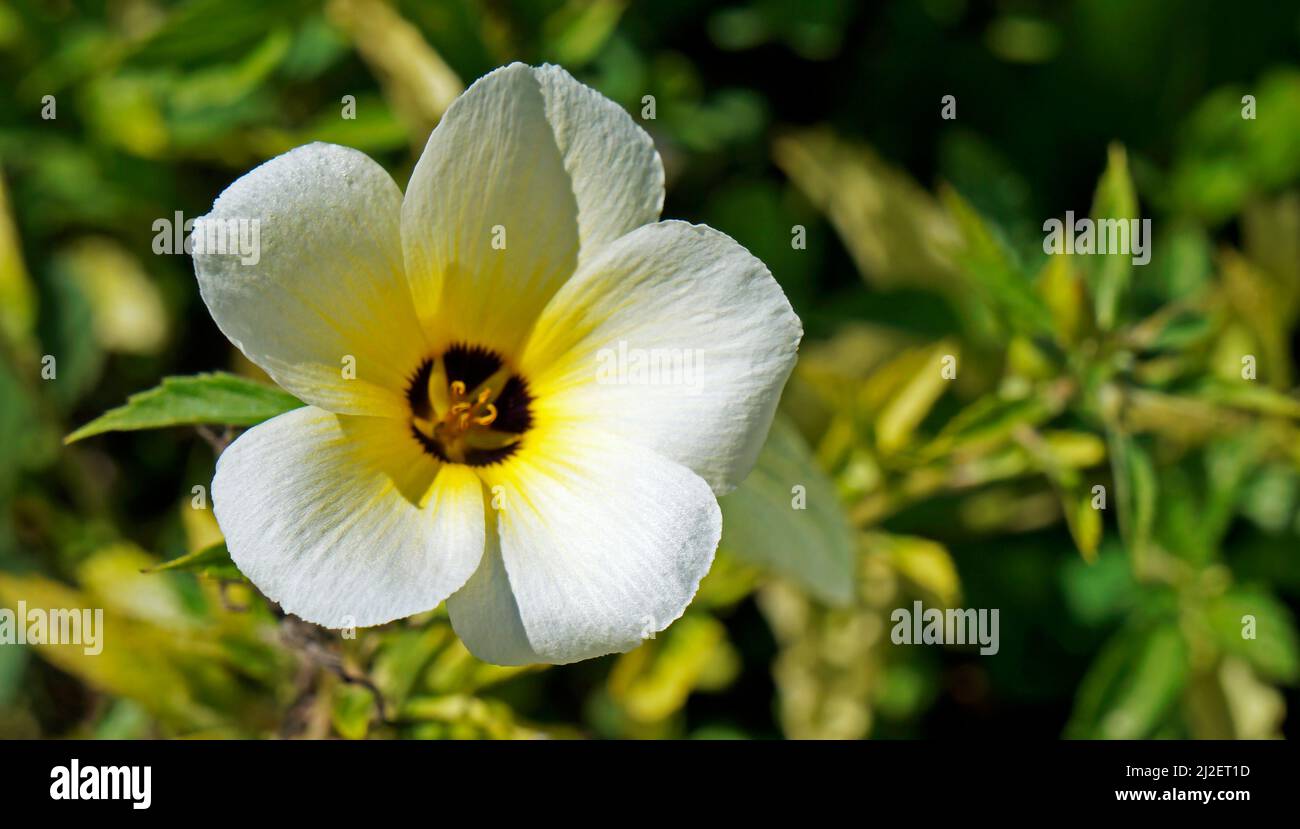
[917,380]
[213,562]
[216,398]
[925,563]
[652,682]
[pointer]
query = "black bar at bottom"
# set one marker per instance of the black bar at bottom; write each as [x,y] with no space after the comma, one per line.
[303,779]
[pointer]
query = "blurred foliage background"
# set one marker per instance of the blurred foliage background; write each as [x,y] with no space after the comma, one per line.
[923,241]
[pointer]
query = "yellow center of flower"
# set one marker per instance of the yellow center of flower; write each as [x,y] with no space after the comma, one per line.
[468,407]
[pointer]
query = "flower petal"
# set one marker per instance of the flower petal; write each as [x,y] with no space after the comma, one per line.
[328,281]
[484,613]
[673,337]
[490,224]
[618,177]
[603,543]
[330,516]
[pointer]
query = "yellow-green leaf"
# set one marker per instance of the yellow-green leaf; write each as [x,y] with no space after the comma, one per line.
[216,398]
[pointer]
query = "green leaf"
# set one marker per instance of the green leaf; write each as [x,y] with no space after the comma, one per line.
[214,562]
[576,32]
[1101,591]
[991,268]
[217,398]
[987,423]
[1136,489]
[1274,650]
[225,84]
[1115,200]
[351,710]
[802,534]
[375,128]
[28,441]
[1133,686]
[1222,160]
[400,663]
[1184,331]
[67,333]
[1182,264]
[210,31]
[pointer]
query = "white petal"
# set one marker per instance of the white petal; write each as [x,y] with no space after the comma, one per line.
[696,304]
[603,544]
[342,520]
[618,177]
[484,613]
[328,291]
[490,223]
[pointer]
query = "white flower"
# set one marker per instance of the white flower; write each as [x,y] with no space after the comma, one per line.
[474,457]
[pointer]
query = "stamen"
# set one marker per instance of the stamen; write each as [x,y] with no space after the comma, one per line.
[468,407]
[486,420]
[492,386]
